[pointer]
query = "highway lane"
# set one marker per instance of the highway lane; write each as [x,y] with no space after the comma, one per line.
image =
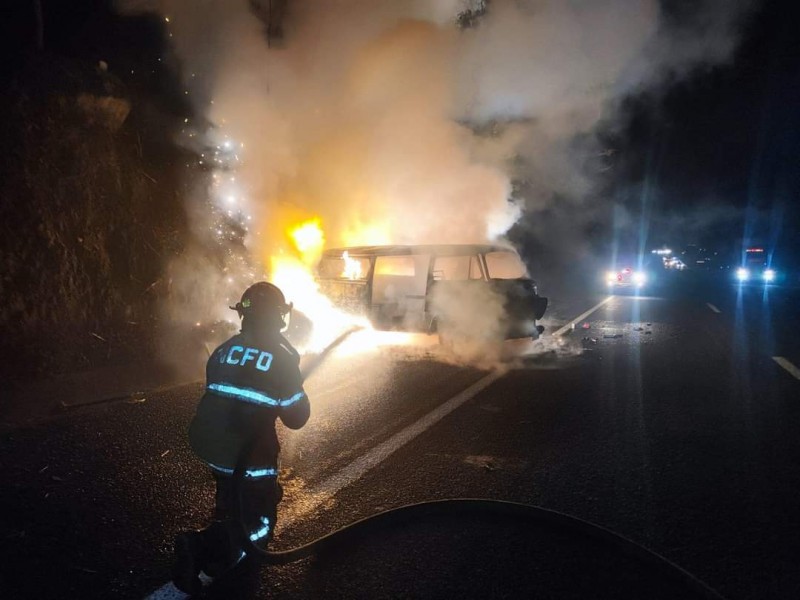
[677,438]
[683,439]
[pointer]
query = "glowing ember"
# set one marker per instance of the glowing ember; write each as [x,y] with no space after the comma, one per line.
[352,267]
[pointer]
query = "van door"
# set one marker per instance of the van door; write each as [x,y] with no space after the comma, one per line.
[398,291]
[454,280]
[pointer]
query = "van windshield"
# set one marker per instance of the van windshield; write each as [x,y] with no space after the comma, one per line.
[505,265]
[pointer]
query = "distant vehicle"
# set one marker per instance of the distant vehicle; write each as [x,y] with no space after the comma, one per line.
[756,267]
[426,287]
[668,259]
[673,263]
[626,277]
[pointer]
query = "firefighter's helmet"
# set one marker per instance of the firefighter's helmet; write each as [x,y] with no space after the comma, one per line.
[262,298]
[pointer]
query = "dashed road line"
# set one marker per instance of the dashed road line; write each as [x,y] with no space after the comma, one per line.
[712,307]
[787,366]
[569,326]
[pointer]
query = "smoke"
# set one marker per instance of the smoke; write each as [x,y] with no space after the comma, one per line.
[472,325]
[419,121]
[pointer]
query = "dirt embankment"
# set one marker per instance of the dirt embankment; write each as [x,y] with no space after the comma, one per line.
[91,213]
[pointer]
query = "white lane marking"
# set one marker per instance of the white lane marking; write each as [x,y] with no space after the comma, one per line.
[582,316]
[712,307]
[787,364]
[168,591]
[328,488]
[359,467]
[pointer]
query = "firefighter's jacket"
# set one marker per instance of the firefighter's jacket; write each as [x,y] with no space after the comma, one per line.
[250,381]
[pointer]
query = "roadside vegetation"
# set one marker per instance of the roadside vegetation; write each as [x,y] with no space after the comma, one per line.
[91,211]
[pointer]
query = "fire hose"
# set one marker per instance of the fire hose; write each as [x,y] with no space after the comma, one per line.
[466,507]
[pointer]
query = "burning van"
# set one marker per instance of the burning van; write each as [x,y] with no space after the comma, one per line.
[459,289]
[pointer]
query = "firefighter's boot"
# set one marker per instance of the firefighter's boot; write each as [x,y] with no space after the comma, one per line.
[189,553]
[223,539]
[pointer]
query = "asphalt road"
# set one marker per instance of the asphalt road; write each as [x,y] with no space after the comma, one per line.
[662,417]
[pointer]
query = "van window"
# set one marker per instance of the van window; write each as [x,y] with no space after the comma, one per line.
[344,267]
[456,268]
[395,265]
[505,265]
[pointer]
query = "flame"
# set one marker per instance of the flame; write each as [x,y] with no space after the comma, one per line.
[308,239]
[291,269]
[352,267]
[366,234]
[298,285]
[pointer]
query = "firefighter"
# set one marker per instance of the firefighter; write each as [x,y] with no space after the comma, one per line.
[251,380]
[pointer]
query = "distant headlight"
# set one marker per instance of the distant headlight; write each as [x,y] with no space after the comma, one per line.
[639,278]
[611,277]
[742,274]
[769,275]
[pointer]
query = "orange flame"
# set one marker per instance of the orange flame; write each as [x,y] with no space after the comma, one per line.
[352,267]
[308,239]
[291,269]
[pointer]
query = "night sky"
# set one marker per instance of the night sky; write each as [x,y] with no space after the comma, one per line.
[724,138]
[728,137]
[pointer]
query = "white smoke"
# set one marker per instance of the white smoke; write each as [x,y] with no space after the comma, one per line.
[393,124]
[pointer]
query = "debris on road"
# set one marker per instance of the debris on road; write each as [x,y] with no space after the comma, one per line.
[484,462]
[85,569]
[586,326]
[137,398]
[164,453]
